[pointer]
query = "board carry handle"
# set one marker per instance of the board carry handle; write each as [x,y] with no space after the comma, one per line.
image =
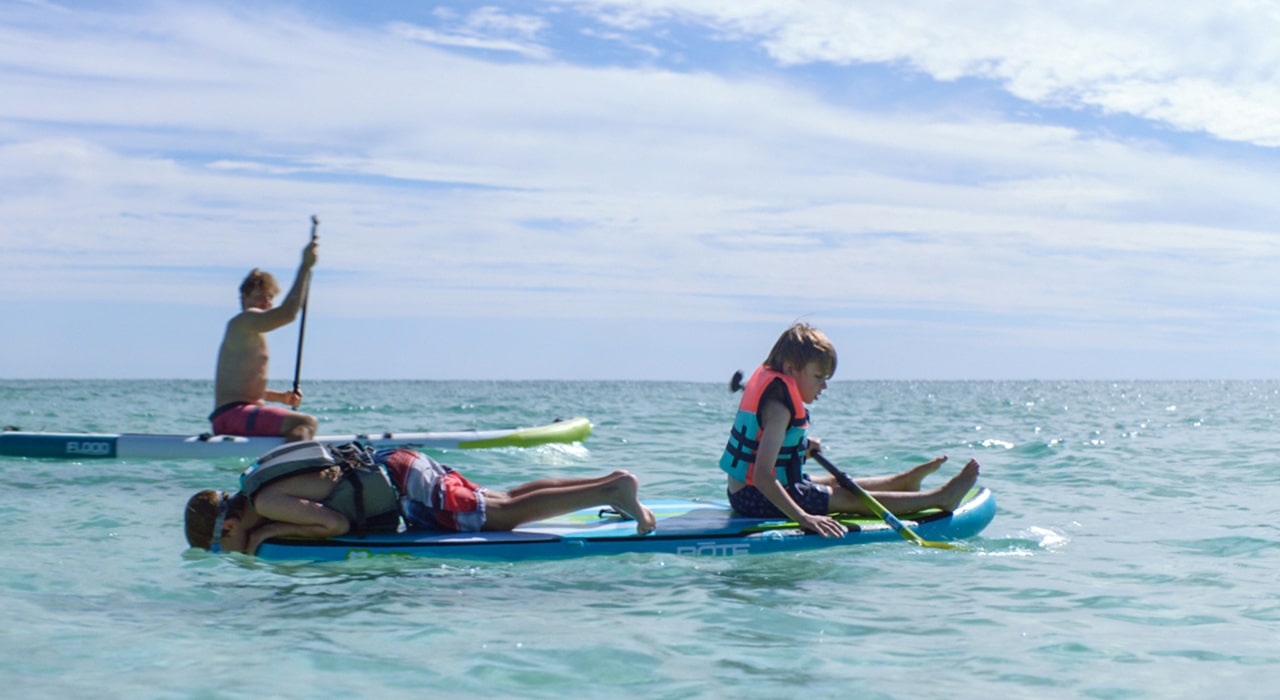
[870,501]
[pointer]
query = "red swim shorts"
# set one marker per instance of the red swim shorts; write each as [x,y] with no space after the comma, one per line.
[435,496]
[243,418]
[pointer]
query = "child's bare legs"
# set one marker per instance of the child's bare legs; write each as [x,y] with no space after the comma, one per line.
[906,481]
[540,484]
[546,498]
[945,497]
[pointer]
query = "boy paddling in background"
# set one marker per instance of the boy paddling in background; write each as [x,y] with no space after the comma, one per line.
[240,386]
[769,443]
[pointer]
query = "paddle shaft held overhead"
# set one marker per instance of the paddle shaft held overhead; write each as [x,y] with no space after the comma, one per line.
[302,324]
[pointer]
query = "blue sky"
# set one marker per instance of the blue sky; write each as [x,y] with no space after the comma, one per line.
[649,189]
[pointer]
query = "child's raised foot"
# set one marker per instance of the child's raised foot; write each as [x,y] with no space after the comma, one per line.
[911,479]
[954,491]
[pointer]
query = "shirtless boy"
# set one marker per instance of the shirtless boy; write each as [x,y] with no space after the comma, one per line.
[240,392]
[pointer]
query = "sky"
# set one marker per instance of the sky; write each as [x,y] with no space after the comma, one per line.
[645,189]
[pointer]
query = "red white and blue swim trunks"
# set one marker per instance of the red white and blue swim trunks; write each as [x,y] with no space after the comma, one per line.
[433,495]
[244,418]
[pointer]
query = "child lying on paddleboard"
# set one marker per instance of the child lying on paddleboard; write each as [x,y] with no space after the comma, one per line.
[316,491]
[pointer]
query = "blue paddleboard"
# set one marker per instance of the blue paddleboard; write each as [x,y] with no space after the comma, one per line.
[694,528]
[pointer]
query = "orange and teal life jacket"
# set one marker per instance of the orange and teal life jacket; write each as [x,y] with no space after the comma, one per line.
[744,439]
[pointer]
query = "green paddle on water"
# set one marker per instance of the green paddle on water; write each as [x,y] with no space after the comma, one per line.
[870,501]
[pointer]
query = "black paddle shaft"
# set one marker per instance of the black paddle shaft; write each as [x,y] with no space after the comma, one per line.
[302,324]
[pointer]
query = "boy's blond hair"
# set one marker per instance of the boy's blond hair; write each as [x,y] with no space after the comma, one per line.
[259,279]
[801,344]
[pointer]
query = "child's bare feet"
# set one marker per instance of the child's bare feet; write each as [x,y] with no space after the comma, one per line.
[629,503]
[910,480]
[906,482]
[954,491]
[647,523]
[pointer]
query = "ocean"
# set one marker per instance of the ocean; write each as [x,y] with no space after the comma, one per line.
[1135,554]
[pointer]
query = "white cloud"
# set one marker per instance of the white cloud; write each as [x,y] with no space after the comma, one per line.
[491,19]
[484,29]
[469,42]
[1206,65]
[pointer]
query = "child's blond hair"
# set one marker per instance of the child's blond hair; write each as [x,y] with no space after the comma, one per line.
[259,279]
[801,344]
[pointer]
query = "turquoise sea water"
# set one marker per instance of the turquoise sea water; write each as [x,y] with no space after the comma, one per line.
[1135,555]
